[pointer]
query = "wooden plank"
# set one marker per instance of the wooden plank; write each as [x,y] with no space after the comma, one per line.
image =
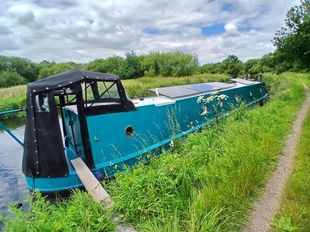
[92,185]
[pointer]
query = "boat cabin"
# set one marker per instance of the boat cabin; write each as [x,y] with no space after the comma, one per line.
[84,92]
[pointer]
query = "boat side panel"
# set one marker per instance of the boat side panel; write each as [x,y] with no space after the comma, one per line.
[152,124]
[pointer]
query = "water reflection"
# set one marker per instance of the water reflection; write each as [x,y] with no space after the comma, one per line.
[12,183]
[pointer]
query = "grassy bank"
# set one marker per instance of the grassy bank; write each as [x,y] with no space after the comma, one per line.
[14,97]
[207,183]
[294,213]
[79,213]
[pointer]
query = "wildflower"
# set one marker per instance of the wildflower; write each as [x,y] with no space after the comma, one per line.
[199,99]
[204,110]
[222,97]
[209,99]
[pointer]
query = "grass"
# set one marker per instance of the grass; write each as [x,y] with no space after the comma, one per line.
[12,98]
[13,92]
[8,104]
[207,183]
[294,212]
[79,213]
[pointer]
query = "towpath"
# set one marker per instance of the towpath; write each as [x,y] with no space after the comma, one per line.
[267,205]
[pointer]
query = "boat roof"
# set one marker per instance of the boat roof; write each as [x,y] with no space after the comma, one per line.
[196,89]
[188,90]
[68,78]
[243,81]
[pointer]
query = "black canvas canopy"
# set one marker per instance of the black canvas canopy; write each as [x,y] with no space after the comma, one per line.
[68,78]
[44,154]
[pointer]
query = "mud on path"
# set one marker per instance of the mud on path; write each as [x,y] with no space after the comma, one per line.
[265,208]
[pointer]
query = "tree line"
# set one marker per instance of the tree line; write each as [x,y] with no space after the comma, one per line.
[16,70]
[292,54]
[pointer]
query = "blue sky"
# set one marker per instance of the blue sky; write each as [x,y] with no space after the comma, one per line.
[81,31]
[213,29]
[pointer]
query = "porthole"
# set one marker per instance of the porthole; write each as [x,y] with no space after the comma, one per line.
[129,131]
[238,98]
[251,94]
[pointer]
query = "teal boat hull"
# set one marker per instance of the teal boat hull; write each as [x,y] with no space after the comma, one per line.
[152,126]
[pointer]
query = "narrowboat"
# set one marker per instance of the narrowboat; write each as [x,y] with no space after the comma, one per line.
[88,115]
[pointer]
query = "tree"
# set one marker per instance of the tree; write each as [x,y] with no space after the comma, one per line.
[110,65]
[150,64]
[252,66]
[50,69]
[177,64]
[8,79]
[232,65]
[132,66]
[24,67]
[292,41]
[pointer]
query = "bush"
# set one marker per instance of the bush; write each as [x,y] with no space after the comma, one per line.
[9,104]
[8,79]
[110,65]
[24,67]
[49,69]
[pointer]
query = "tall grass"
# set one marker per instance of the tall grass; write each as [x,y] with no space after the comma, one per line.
[12,98]
[13,92]
[210,182]
[207,183]
[79,213]
[294,213]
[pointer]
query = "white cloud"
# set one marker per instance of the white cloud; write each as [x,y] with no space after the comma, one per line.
[84,30]
[230,27]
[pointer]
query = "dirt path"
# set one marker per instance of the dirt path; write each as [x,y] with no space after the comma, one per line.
[267,205]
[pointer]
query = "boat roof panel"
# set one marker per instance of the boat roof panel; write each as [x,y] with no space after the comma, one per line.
[194,89]
[243,81]
[220,85]
[203,87]
[176,91]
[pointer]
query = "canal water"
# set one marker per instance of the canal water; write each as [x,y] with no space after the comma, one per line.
[12,183]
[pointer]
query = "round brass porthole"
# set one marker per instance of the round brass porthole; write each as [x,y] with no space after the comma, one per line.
[129,131]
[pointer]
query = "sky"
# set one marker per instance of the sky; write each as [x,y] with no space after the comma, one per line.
[84,30]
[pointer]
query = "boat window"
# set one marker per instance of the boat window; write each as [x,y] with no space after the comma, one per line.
[107,90]
[41,103]
[129,131]
[99,92]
